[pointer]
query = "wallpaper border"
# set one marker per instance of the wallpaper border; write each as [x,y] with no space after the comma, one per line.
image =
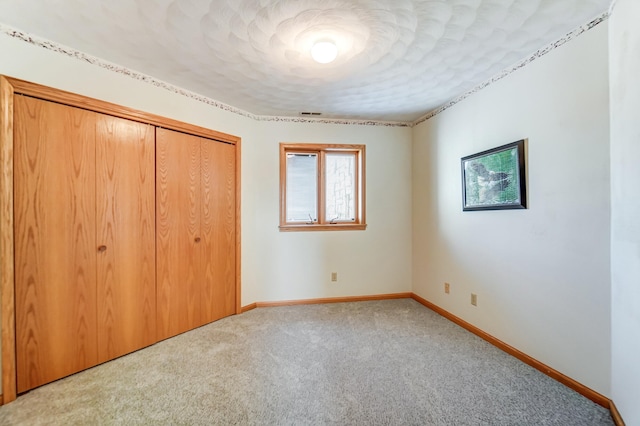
[58,48]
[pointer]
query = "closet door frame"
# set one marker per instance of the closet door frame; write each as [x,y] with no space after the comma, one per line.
[8,88]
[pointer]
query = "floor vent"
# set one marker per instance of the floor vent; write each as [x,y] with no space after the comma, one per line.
[314,114]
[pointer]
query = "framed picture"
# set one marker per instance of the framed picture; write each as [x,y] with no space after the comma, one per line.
[495,179]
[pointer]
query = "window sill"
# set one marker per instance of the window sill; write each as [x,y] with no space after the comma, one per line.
[334,227]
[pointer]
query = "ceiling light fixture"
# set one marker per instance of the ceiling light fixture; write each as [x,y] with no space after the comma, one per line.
[324,52]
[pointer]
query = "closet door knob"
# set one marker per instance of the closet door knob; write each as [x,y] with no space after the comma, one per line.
[102,248]
[197,239]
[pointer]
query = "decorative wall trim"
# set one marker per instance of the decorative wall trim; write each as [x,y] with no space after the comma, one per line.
[615,414]
[326,300]
[538,54]
[58,48]
[7,273]
[249,307]
[334,121]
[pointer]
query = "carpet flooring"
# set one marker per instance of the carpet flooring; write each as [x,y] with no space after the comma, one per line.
[389,362]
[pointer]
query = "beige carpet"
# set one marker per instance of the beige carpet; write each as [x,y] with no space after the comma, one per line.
[366,363]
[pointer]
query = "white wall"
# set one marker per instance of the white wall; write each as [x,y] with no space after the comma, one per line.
[624,45]
[297,265]
[542,274]
[275,265]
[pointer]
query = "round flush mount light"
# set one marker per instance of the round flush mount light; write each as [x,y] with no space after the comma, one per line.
[324,52]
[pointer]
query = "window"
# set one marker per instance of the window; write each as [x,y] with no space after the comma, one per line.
[321,187]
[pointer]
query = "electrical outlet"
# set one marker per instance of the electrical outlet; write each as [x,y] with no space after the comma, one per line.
[446,288]
[334,276]
[474,299]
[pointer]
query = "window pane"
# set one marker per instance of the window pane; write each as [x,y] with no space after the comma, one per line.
[340,186]
[302,187]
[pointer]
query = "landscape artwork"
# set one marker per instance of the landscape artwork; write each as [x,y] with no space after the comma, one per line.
[495,179]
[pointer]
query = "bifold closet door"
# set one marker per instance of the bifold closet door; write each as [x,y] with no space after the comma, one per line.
[125,170]
[218,230]
[178,239]
[55,240]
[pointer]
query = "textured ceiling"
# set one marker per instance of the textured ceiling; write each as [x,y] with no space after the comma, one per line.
[398,59]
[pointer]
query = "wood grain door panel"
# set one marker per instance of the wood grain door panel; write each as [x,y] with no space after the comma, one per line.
[125,165]
[218,229]
[124,234]
[55,245]
[178,236]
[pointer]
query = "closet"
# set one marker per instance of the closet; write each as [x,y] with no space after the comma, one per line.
[195,231]
[84,239]
[119,229]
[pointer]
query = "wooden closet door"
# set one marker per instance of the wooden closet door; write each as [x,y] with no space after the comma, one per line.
[125,170]
[178,238]
[55,246]
[218,230]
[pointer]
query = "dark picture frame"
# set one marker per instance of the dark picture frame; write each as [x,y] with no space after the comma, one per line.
[495,179]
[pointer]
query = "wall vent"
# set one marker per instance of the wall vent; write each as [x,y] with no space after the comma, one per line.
[314,114]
